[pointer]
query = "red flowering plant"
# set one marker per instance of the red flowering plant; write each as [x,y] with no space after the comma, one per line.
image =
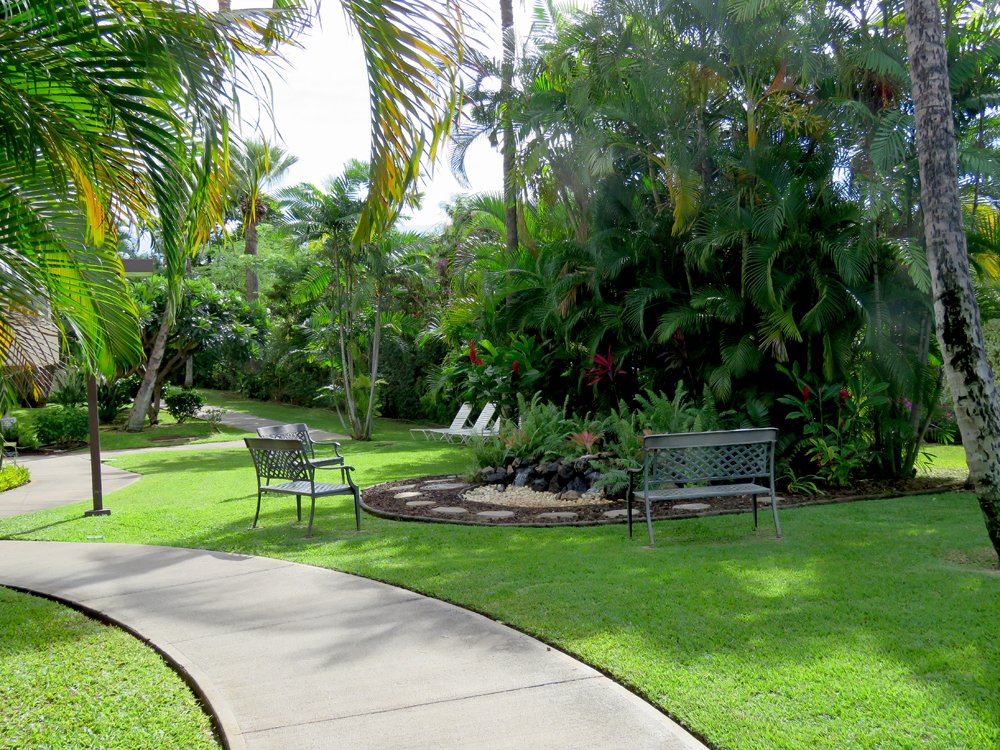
[837,423]
[604,370]
[486,372]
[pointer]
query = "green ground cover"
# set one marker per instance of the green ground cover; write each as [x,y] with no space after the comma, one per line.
[871,625]
[167,432]
[67,681]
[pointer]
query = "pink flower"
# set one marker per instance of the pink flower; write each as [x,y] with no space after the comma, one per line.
[516,366]
[472,352]
[844,394]
[805,393]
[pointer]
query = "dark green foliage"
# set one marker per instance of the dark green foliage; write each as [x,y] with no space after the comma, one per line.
[61,425]
[183,404]
[113,396]
[403,369]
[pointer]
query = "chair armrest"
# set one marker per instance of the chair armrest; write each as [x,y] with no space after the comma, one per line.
[334,443]
[345,474]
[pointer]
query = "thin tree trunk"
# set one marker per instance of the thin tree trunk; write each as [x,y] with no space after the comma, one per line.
[376,341]
[137,417]
[507,125]
[250,248]
[959,328]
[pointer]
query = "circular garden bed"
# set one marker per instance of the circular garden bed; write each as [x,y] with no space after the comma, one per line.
[450,499]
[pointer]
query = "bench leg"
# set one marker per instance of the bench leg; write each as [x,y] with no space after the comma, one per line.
[312,514]
[649,521]
[755,511]
[629,504]
[257,514]
[774,511]
[357,509]
[298,507]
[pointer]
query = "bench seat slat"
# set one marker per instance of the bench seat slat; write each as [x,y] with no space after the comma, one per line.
[720,490]
[304,488]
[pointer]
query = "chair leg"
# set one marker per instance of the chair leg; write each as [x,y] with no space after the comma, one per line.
[298,507]
[312,514]
[774,511]
[755,511]
[649,521]
[357,509]
[257,514]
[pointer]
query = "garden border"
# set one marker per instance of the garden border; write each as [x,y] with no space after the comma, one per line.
[950,487]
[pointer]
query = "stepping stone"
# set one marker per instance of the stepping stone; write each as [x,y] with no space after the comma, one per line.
[404,495]
[419,503]
[404,487]
[563,515]
[692,506]
[449,510]
[444,486]
[496,514]
[620,513]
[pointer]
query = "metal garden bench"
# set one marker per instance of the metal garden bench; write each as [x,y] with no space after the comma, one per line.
[300,432]
[276,458]
[696,465]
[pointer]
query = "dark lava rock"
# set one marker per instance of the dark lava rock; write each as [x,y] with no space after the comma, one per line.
[540,485]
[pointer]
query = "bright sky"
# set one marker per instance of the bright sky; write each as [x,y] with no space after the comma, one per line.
[321,111]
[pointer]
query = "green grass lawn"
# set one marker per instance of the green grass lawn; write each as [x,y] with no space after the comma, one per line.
[870,625]
[67,681]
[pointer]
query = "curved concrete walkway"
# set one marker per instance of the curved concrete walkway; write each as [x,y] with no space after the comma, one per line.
[292,656]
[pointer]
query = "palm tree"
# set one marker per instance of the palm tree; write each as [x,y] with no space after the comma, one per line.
[124,127]
[257,165]
[959,328]
[351,286]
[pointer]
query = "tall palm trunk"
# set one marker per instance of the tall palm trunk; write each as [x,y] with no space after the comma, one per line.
[143,399]
[507,125]
[958,320]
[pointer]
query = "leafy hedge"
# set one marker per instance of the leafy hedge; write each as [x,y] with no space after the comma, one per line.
[13,476]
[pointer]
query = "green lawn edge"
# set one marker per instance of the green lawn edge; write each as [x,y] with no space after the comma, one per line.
[69,681]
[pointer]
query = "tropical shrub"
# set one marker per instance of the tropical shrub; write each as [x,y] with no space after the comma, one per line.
[183,404]
[69,389]
[61,425]
[13,476]
[487,372]
[837,432]
[540,430]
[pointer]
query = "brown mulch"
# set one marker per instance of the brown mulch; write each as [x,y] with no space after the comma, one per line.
[381,501]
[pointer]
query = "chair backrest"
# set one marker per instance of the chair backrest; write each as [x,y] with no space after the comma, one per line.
[484,419]
[297,431]
[277,458]
[461,417]
[689,457]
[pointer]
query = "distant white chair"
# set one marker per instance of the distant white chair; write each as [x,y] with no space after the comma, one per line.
[484,426]
[457,424]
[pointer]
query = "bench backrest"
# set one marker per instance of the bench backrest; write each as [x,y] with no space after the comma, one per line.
[298,431]
[279,458]
[690,457]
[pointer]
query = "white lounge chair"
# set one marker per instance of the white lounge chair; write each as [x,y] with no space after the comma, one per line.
[484,426]
[458,423]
